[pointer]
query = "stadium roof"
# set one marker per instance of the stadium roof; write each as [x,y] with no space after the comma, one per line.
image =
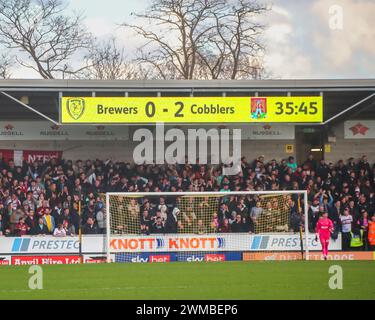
[342,97]
[168,85]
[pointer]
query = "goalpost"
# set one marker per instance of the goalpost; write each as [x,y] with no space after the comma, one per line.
[182,223]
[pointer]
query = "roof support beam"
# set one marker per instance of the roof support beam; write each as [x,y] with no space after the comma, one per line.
[349,108]
[30,108]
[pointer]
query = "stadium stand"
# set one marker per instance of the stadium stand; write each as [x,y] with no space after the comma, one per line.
[42,198]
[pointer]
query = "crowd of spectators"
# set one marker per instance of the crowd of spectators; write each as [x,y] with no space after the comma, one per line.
[44,198]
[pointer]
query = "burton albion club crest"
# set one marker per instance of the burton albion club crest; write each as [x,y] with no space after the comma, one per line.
[258,108]
[75,107]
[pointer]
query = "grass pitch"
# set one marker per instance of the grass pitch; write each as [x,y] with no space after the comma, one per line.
[180,280]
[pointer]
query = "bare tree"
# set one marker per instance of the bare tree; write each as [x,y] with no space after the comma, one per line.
[48,37]
[6,61]
[201,39]
[174,31]
[107,61]
[237,43]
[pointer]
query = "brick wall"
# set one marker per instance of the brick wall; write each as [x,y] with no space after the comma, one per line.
[123,150]
[346,148]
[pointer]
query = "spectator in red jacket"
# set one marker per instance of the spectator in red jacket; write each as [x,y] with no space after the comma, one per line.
[21,228]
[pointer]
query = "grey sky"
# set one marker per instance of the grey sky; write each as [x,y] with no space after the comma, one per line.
[299,40]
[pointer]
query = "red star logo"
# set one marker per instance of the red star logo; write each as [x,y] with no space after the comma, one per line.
[359,129]
[55,127]
[267,127]
[9,127]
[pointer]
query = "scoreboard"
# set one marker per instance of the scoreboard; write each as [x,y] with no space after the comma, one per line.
[127,110]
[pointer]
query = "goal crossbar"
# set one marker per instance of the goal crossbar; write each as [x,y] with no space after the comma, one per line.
[204,193]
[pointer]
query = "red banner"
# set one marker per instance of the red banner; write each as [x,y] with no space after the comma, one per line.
[4,260]
[31,260]
[29,155]
[6,155]
[44,156]
[214,257]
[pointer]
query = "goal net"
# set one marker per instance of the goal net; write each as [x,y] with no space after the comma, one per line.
[205,226]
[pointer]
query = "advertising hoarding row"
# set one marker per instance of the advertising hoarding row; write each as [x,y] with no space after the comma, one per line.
[178,256]
[160,243]
[21,260]
[42,260]
[167,248]
[288,256]
[46,131]
[165,257]
[222,242]
[248,131]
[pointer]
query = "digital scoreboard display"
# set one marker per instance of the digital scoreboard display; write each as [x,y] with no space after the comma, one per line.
[127,110]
